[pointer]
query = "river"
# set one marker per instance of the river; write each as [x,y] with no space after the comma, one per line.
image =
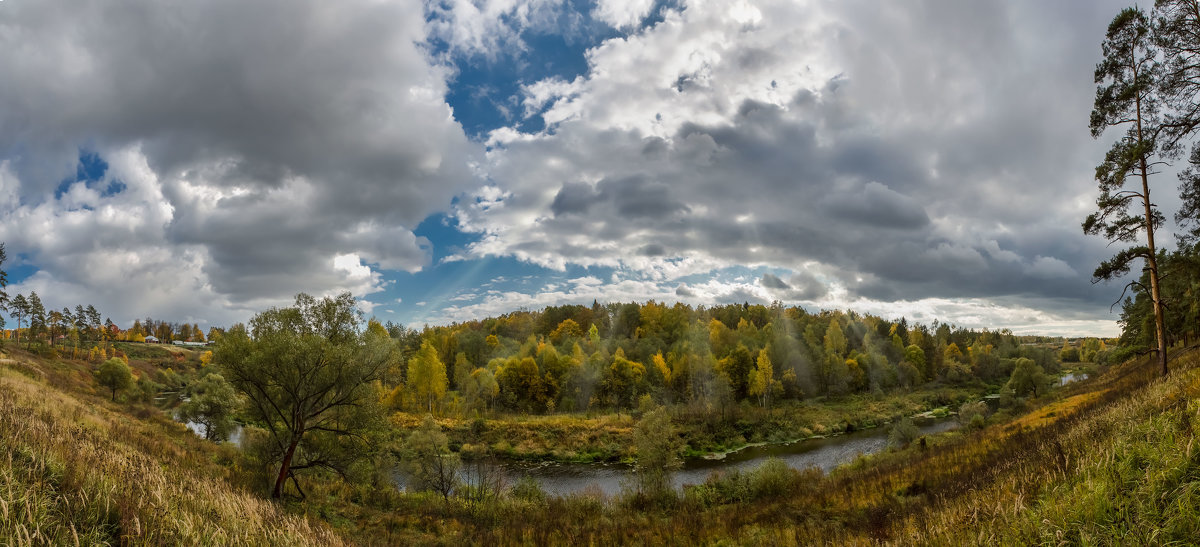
[563,479]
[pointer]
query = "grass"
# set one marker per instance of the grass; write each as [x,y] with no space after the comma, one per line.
[75,470]
[1109,460]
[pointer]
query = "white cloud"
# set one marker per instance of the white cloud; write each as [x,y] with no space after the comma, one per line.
[264,151]
[622,13]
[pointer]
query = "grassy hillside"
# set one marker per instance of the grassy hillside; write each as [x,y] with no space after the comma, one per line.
[76,470]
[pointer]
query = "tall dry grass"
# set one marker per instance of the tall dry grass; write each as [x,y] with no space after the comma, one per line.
[74,472]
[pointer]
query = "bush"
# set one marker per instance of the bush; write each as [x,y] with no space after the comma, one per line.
[773,478]
[528,490]
[973,415]
[903,433]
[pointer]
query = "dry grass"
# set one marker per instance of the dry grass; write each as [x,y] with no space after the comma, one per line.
[76,472]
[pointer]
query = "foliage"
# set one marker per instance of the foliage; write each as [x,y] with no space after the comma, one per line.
[658,447]
[903,433]
[428,460]
[309,378]
[1028,377]
[427,375]
[115,375]
[212,402]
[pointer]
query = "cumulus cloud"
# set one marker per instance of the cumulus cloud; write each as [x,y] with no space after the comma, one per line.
[258,146]
[908,151]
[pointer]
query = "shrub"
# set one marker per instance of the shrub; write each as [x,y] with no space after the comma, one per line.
[528,490]
[903,433]
[973,415]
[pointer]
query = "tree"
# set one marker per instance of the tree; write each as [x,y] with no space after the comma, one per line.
[309,379]
[762,378]
[427,375]
[658,447]
[19,308]
[1177,33]
[481,386]
[1127,96]
[37,315]
[114,374]
[623,379]
[211,403]
[93,317]
[4,302]
[1027,377]
[916,357]
[429,462]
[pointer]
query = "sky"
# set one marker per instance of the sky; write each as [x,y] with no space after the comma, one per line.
[450,160]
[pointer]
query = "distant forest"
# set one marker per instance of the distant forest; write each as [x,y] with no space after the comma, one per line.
[576,357]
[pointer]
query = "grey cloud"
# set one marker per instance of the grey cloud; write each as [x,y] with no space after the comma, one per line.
[772,281]
[322,125]
[683,291]
[937,163]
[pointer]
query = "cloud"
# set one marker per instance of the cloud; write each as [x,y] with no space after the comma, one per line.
[879,150]
[771,281]
[258,146]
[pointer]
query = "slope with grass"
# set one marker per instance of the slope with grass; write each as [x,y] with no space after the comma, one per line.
[77,470]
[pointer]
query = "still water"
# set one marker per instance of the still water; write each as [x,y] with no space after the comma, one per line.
[563,479]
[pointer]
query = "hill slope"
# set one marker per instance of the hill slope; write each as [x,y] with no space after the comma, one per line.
[74,470]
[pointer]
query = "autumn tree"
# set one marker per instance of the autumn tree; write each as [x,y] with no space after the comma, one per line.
[762,378]
[1127,97]
[481,387]
[309,378]
[623,379]
[427,375]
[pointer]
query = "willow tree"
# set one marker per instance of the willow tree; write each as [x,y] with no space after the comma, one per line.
[1127,97]
[309,377]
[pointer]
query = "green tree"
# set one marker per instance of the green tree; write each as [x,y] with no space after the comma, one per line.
[211,403]
[658,447]
[1176,34]
[1127,96]
[19,308]
[309,378]
[37,315]
[114,374]
[428,459]
[916,357]
[427,375]
[481,387]
[1028,377]
[3,284]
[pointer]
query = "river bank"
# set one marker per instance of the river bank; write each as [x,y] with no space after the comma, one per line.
[608,438]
